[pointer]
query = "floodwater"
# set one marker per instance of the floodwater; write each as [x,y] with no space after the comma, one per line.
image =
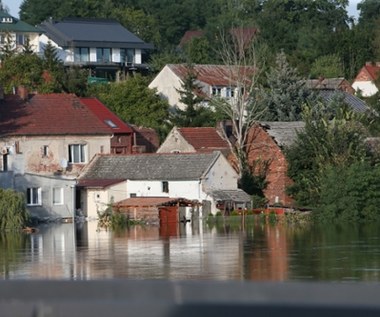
[227,250]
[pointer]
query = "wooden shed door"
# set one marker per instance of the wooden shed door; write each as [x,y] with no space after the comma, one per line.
[168,214]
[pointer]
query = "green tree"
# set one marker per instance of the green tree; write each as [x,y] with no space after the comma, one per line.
[75,80]
[331,138]
[13,214]
[285,92]
[8,49]
[350,192]
[195,114]
[327,66]
[21,70]
[134,102]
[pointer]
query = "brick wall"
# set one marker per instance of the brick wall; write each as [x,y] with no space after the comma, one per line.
[263,150]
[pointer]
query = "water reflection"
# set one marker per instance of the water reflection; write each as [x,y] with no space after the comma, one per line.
[227,250]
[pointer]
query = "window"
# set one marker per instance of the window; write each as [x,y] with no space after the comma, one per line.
[45,151]
[127,55]
[165,187]
[77,153]
[216,91]
[57,196]
[229,92]
[20,39]
[103,55]
[81,54]
[33,196]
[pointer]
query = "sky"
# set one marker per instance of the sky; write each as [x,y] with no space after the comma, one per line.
[14,6]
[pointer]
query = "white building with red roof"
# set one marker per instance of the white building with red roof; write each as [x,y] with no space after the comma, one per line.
[45,141]
[365,81]
[214,81]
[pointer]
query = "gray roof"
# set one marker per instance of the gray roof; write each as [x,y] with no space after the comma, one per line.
[350,100]
[236,195]
[151,166]
[92,33]
[284,133]
[325,83]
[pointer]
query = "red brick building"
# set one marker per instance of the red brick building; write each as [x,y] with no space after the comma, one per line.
[265,144]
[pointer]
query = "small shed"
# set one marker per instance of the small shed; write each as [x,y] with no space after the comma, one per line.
[229,200]
[156,209]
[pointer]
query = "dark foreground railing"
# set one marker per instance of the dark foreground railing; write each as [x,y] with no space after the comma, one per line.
[183,299]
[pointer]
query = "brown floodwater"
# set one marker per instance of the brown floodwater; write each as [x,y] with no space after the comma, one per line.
[226,250]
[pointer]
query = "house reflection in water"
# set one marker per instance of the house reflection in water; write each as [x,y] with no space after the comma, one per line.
[178,251]
[267,259]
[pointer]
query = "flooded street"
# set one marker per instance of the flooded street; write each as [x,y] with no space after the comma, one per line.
[223,251]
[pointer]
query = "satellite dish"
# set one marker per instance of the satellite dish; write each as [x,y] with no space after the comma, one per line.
[63,163]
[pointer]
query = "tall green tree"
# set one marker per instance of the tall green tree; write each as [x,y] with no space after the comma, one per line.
[333,137]
[134,102]
[285,92]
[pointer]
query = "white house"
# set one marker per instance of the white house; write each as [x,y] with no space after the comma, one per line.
[45,142]
[193,176]
[17,32]
[213,80]
[365,81]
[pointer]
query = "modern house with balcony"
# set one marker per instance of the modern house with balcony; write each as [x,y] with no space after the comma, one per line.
[103,46]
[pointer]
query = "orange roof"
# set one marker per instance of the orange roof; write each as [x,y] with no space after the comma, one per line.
[203,138]
[189,35]
[373,71]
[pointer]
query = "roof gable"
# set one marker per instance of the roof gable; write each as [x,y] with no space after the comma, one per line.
[151,166]
[109,119]
[50,114]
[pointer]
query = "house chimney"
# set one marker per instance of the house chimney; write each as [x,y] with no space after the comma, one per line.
[23,92]
[378,64]
[368,63]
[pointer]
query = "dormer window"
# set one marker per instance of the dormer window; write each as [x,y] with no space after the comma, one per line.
[6,20]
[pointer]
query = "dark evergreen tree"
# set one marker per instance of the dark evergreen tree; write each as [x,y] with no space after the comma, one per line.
[195,114]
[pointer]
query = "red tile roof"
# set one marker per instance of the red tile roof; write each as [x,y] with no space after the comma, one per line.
[214,75]
[48,114]
[110,120]
[373,71]
[204,139]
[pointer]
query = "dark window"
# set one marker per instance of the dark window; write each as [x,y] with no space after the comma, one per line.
[165,187]
[103,55]
[81,54]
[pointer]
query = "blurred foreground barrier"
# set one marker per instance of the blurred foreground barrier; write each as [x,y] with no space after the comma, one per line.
[113,298]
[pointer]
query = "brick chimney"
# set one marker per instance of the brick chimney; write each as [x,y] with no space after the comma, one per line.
[23,92]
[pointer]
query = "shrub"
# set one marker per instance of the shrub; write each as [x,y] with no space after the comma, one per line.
[13,213]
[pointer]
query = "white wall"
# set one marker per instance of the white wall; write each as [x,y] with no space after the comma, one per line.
[167,83]
[367,88]
[175,142]
[190,189]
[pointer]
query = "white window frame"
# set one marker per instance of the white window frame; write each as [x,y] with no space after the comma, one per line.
[59,191]
[31,194]
[82,152]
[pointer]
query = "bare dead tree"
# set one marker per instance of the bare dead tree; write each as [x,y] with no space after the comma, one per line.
[240,56]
